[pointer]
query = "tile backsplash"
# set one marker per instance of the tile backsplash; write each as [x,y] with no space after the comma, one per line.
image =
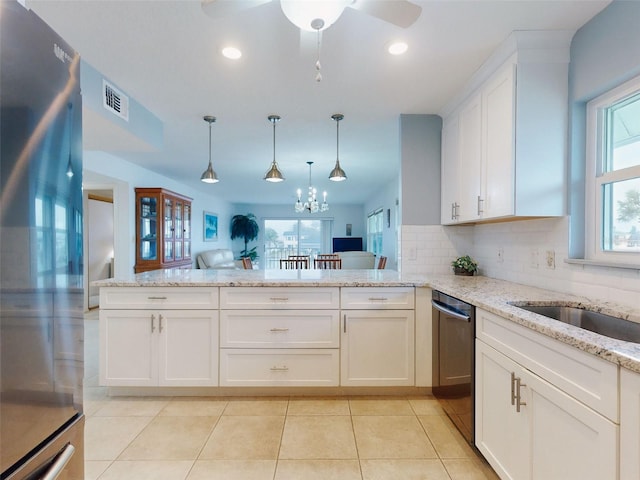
[529,252]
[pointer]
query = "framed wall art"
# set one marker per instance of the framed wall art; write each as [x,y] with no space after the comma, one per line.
[210,227]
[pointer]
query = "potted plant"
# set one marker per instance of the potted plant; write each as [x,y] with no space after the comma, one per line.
[464,265]
[245,227]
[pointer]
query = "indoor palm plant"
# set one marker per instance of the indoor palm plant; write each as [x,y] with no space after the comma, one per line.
[245,227]
[464,265]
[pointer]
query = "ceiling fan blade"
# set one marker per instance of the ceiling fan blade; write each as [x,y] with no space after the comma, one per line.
[224,8]
[398,12]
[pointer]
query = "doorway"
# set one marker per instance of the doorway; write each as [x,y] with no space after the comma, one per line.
[99,217]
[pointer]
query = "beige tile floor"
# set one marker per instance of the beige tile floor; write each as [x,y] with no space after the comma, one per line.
[196,438]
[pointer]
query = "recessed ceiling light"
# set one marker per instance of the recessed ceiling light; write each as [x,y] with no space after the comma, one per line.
[232,53]
[397,48]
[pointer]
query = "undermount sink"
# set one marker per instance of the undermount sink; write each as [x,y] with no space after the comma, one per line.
[612,327]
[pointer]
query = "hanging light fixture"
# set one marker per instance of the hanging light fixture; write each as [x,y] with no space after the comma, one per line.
[274,174]
[337,174]
[209,175]
[69,171]
[311,205]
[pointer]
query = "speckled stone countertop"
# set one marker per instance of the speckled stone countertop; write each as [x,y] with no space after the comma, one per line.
[264,278]
[496,296]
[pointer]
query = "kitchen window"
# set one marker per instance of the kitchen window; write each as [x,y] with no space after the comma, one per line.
[374,232]
[613,175]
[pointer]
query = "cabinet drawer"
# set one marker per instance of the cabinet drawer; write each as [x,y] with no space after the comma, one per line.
[589,379]
[299,367]
[377,298]
[167,298]
[279,298]
[282,329]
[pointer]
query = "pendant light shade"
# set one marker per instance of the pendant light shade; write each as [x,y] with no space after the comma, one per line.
[337,174]
[274,175]
[209,175]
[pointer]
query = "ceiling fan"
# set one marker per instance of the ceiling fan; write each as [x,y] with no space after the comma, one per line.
[317,15]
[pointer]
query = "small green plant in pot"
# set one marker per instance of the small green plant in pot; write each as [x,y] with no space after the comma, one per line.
[464,266]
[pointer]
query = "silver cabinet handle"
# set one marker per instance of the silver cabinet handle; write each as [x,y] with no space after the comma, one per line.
[519,402]
[278,330]
[513,388]
[153,326]
[279,299]
[160,322]
[378,299]
[345,323]
[453,211]
[156,298]
[61,462]
[480,208]
[280,369]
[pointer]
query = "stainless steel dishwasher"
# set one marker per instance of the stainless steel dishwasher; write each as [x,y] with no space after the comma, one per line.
[454,331]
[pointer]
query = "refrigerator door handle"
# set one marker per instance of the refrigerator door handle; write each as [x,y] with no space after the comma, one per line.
[61,462]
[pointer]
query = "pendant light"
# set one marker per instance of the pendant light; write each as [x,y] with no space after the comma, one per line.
[337,174]
[273,174]
[209,175]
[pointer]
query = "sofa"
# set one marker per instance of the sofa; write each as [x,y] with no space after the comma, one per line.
[357,260]
[219,258]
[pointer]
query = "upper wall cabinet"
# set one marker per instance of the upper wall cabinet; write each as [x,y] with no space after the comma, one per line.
[504,140]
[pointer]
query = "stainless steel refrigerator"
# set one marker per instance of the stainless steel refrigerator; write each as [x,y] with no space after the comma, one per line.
[41,288]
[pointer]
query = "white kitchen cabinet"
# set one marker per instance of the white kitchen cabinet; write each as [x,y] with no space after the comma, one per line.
[512,132]
[629,424]
[145,348]
[526,426]
[377,348]
[275,336]
[450,171]
[497,191]
[470,161]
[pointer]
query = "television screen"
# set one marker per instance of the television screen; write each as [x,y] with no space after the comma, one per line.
[347,244]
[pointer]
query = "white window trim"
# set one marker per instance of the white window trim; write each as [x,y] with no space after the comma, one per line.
[595,178]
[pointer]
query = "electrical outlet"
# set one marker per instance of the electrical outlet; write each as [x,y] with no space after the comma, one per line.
[551,259]
[534,262]
[500,257]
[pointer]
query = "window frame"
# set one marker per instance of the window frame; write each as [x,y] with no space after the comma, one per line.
[596,177]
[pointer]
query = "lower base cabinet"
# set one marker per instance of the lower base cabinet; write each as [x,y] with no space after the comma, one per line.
[629,424]
[528,429]
[377,348]
[144,348]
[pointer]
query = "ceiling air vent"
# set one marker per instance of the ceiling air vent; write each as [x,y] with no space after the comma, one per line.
[115,101]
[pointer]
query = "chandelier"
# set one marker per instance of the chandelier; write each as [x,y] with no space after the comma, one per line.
[311,205]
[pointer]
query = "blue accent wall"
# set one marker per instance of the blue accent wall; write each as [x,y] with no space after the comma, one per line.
[605,53]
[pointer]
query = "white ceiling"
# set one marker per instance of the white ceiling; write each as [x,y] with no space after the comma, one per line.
[165,55]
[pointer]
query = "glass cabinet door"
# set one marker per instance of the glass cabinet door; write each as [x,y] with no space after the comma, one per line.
[187,230]
[168,230]
[148,228]
[178,230]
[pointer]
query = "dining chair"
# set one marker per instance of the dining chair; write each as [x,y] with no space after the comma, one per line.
[294,263]
[327,263]
[382,262]
[246,263]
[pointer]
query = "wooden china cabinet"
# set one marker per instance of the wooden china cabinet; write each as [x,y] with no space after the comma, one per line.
[163,230]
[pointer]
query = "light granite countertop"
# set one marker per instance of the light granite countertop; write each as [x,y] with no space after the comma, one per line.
[496,296]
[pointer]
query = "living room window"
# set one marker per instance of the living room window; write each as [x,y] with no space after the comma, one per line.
[374,232]
[284,237]
[613,175]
